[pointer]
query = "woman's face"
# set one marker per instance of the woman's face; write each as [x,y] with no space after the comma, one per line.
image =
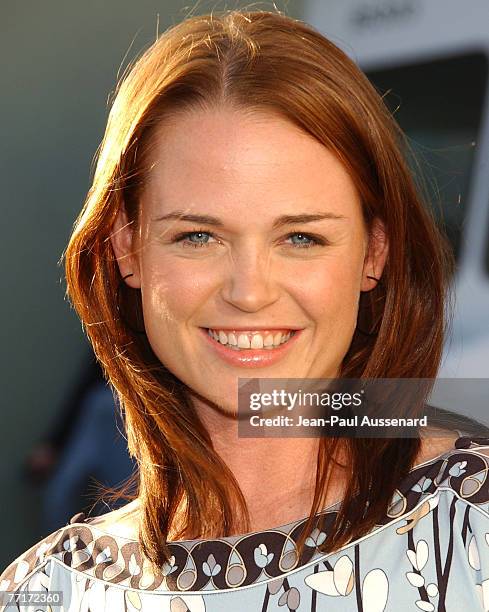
[273,241]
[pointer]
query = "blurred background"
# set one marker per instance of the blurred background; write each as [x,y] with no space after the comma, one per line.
[60,62]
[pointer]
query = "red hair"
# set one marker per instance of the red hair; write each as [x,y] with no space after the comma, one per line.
[268,61]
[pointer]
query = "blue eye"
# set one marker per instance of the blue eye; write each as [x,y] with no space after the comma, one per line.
[307,244]
[200,238]
[184,238]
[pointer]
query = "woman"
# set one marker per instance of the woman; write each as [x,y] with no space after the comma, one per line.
[252,216]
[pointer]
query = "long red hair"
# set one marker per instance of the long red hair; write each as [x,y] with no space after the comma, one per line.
[268,61]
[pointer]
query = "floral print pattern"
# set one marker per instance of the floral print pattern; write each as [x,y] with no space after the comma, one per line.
[436,527]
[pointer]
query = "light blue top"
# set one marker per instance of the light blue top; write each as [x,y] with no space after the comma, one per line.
[431,552]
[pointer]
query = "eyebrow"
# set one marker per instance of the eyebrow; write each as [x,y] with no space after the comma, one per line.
[279,221]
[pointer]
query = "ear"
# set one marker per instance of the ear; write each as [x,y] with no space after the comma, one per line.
[123,240]
[376,256]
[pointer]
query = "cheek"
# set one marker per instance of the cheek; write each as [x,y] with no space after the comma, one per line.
[330,293]
[171,292]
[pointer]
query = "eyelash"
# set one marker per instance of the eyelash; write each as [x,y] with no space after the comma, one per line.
[318,240]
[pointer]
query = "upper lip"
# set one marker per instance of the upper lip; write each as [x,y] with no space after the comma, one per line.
[254,327]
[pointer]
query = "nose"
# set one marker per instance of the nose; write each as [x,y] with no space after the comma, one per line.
[250,285]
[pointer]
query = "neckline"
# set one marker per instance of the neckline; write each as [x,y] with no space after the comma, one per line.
[284,528]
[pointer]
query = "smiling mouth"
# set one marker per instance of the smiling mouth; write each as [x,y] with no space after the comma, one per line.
[251,340]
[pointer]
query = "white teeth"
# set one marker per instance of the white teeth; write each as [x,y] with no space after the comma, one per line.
[249,339]
[243,341]
[257,341]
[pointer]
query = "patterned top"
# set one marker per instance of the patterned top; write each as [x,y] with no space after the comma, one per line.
[436,528]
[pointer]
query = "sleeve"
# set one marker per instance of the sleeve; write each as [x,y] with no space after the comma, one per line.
[16,593]
[473,487]
[31,571]
[477,543]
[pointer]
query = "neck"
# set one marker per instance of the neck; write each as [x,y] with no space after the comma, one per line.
[276,475]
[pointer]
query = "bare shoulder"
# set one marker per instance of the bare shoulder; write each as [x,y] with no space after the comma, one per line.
[122,522]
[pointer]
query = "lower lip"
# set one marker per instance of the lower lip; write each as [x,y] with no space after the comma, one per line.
[251,358]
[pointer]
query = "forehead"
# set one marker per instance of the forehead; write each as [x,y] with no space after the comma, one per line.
[226,159]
